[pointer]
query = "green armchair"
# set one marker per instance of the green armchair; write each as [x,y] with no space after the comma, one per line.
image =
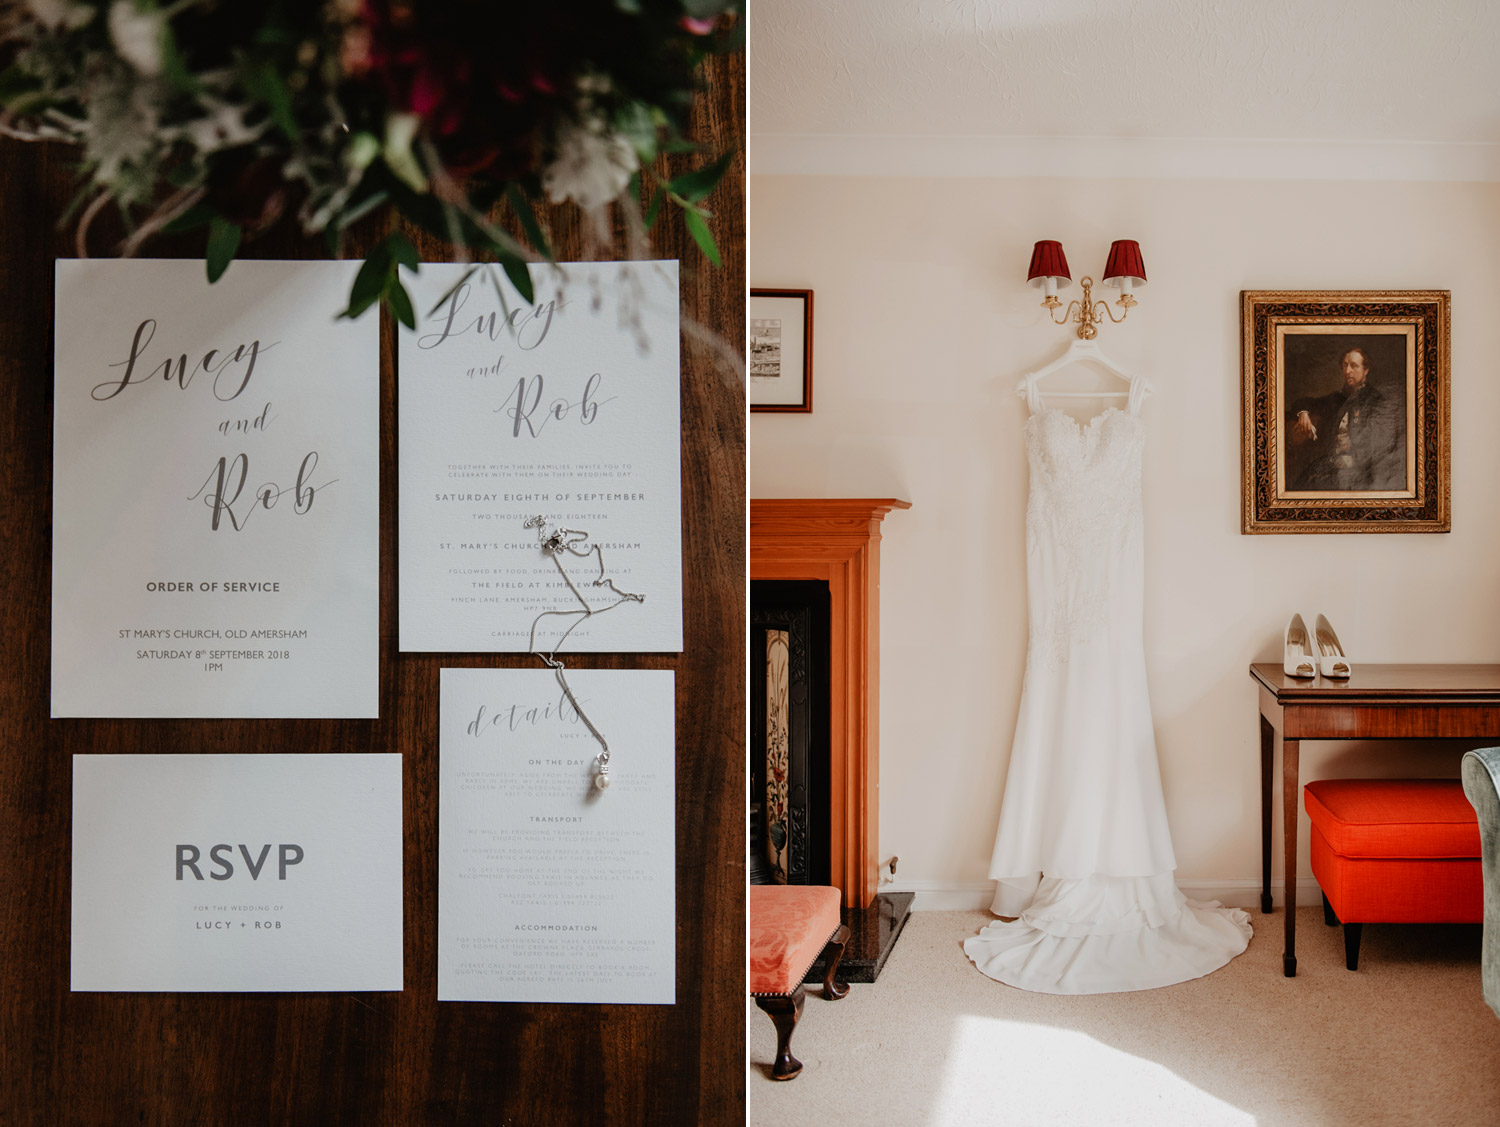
[1481,775]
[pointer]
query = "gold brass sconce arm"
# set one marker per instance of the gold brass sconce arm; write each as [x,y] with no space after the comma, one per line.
[1088,314]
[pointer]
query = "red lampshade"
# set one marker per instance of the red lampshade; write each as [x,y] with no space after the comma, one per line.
[1047,261]
[1124,263]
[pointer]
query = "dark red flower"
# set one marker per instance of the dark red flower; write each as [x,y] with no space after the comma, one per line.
[247,190]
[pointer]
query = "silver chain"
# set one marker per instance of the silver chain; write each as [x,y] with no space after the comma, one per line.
[575,542]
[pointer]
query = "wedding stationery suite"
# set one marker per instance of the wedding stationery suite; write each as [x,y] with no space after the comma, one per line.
[215,544]
[550,889]
[237,872]
[566,409]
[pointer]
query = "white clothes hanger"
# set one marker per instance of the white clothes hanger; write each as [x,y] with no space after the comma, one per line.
[1079,349]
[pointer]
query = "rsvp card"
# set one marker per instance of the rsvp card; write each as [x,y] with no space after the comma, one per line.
[550,890]
[237,872]
[566,409]
[215,546]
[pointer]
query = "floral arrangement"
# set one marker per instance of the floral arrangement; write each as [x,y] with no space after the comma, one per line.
[230,115]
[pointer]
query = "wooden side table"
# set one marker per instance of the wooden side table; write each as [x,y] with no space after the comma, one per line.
[1380,702]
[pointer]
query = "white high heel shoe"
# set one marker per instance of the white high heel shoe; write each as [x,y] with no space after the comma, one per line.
[1332,660]
[1298,661]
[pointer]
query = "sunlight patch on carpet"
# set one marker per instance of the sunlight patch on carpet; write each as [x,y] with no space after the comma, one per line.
[1017,1072]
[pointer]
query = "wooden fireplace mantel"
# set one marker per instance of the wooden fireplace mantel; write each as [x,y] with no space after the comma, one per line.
[838,540]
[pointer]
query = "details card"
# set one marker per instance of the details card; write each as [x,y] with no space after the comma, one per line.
[549,889]
[215,545]
[237,872]
[565,409]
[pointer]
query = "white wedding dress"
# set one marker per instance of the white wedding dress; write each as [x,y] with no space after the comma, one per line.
[1083,855]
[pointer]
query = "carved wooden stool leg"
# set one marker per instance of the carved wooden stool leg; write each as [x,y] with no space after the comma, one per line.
[784,1010]
[832,987]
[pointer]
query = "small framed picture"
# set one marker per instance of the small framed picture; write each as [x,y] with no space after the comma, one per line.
[781,350]
[1345,410]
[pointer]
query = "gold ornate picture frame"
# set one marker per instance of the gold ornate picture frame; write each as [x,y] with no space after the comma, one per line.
[1344,423]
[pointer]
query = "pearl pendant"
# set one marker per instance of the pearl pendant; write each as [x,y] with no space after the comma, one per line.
[601,781]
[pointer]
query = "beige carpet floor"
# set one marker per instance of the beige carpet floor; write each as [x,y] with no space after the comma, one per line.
[1406,1039]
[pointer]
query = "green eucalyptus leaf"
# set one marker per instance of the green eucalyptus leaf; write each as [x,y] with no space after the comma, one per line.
[656,202]
[400,131]
[504,301]
[190,220]
[360,206]
[361,150]
[174,66]
[400,249]
[29,103]
[185,174]
[14,82]
[357,308]
[519,276]
[370,282]
[427,213]
[223,243]
[693,186]
[264,83]
[453,289]
[518,203]
[698,228]
[400,302]
[634,122]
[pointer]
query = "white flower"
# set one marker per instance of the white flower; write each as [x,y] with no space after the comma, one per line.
[60,13]
[137,36]
[400,131]
[590,165]
[121,129]
[222,128]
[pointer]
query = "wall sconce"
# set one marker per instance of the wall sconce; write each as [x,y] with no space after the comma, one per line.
[1123,271]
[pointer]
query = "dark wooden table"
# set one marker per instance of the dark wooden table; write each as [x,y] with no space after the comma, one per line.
[376,1059]
[1380,702]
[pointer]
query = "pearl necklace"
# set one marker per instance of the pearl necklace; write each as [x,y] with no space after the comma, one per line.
[575,542]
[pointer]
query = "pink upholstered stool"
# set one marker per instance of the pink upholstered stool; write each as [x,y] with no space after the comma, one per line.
[1394,851]
[790,926]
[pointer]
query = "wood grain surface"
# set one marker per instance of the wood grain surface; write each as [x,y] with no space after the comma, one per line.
[389,1058]
[1399,683]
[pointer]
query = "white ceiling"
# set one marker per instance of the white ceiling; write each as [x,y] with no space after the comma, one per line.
[1012,79]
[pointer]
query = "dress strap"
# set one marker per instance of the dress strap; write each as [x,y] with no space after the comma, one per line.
[1137,395]
[1033,396]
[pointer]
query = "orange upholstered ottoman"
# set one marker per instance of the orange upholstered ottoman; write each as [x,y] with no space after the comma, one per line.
[790,926]
[1394,851]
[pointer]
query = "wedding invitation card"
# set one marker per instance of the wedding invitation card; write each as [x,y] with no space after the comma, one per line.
[215,546]
[565,409]
[549,889]
[237,872]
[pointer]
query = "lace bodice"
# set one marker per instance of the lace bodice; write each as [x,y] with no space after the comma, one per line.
[1083,526]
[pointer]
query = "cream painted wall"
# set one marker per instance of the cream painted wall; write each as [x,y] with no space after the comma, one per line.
[923,324]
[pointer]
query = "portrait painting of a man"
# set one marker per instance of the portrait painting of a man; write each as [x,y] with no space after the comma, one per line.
[1345,418]
[1344,411]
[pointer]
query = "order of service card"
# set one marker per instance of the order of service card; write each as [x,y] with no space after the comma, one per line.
[216,496]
